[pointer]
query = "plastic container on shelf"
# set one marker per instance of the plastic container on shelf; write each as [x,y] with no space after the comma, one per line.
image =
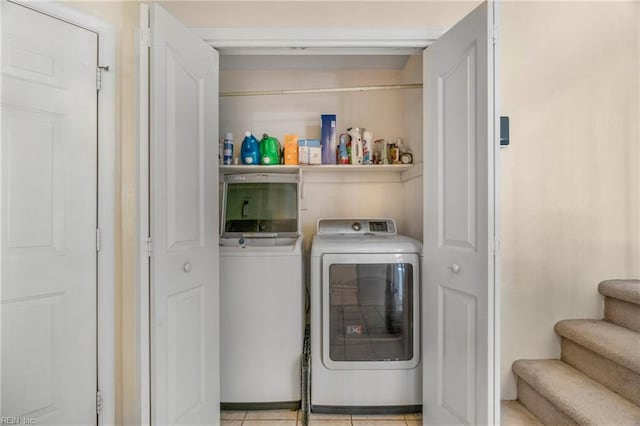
[367,142]
[269,150]
[309,151]
[290,149]
[250,150]
[227,149]
[343,151]
[303,152]
[314,151]
[356,145]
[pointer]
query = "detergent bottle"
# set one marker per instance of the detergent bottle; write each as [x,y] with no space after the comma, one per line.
[356,145]
[250,149]
[269,150]
[343,152]
[367,146]
[385,152]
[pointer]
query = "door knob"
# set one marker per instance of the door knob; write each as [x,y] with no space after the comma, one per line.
[454,268]
[187,267]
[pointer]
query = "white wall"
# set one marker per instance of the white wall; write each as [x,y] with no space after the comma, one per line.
[380,112]
[350,200]
[570,183]
[315,14]
[412,215]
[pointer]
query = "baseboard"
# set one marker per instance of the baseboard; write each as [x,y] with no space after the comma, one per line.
[366,409]
[276,405]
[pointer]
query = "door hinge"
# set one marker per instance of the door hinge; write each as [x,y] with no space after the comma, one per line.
[145,37]
[149,246]
[98,239]
[496,247]
[495,33]
[99,70]
[98,402]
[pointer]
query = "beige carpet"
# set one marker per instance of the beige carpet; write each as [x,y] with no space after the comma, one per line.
[613,342]
[627,290]
[619,379]
[576,395]
[597,381]
[512,413]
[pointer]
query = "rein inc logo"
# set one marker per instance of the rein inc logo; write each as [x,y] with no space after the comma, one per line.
[17,420]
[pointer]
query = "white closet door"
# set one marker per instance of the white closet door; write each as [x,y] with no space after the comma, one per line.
[49,202]
[184,225]
[459,261]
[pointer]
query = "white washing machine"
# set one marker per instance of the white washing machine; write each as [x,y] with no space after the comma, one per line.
[261,293]
[365,316]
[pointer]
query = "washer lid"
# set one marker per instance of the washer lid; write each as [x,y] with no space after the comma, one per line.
[365,243]
[262,205]
[356,227]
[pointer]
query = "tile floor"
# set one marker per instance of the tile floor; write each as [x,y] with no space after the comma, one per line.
[294,418]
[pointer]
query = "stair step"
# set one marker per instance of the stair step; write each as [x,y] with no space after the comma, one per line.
[611,341]
[625,314]
[627,290]
[575,395]
[619,379]
[512,413]
[548,413]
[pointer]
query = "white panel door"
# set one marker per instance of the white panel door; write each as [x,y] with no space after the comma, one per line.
[184,225]
[49,202]
[458,269]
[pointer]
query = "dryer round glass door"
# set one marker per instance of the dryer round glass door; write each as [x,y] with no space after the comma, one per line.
[370,311]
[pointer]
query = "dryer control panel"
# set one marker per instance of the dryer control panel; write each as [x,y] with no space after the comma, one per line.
[356,226]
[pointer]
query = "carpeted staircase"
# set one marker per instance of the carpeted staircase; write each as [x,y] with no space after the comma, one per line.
[597,379]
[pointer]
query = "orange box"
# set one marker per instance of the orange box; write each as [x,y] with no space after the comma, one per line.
[290,149]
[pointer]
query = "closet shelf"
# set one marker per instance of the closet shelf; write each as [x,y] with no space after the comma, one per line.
[336,173]
[323,168]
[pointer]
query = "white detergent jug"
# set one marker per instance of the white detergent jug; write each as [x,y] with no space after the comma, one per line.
[356,145]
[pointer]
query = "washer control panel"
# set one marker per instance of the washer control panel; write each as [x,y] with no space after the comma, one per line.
[357,226]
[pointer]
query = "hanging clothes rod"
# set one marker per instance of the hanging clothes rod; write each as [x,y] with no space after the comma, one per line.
[330,90]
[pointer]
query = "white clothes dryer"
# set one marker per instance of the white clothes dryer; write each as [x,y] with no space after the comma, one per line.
[365,317]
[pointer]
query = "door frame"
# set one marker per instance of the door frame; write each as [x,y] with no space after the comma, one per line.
[143,221]
[238,41]
[106,193]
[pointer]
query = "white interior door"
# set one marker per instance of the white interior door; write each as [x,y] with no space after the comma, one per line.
[49,205]
[459,261]
[183,224]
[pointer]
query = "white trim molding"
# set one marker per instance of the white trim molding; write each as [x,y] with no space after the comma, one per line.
[106,193]
[297,41]
[143,342]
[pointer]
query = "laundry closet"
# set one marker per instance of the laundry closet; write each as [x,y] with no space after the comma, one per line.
[380,93]
[278,95]
[440,101]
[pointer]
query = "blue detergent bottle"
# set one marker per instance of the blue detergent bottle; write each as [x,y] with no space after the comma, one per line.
[250,150]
